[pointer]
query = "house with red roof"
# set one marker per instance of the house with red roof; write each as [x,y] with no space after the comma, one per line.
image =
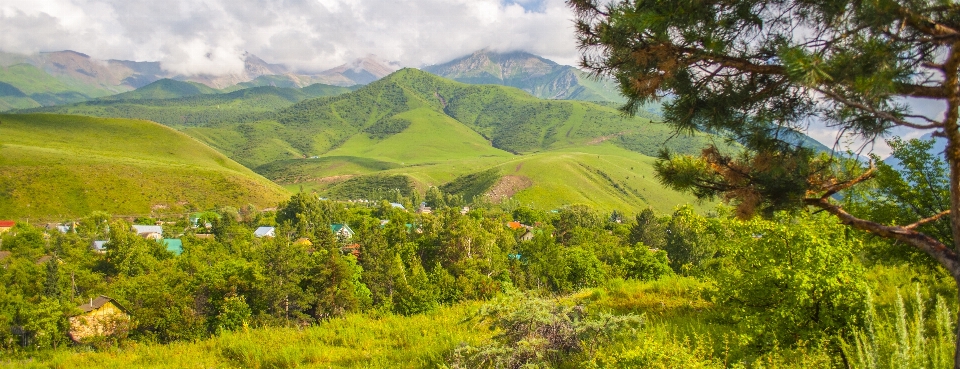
[6,225]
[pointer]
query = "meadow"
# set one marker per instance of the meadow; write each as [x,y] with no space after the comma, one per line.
[57,167]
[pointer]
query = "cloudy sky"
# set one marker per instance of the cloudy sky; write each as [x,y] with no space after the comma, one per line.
[210,36]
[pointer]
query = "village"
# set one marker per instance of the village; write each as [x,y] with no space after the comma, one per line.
[101,317]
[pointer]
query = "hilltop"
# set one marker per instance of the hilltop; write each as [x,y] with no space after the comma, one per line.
[60,166]
[164,89]
[536,75]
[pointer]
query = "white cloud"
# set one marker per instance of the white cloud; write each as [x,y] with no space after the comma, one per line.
[209,36]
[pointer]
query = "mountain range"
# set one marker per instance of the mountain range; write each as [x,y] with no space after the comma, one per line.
[65,77]
[538,76]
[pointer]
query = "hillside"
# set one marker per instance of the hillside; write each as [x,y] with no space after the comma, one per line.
[57,166]
[538,76]
[509,119]
[164,89]
[196,110]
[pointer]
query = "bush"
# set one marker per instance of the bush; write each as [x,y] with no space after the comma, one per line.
[789,279]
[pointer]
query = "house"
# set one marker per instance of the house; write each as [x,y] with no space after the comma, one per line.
[527,236]
[173,245]
[342,231]
[398,206]
[514,225]
[265,232]
[424,209]
[99,246]
[6,225]
[44,259]
[102,316]
[66,228]
[150,232]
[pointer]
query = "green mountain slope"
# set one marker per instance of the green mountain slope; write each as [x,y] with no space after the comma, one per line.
[164,89]
[44,89]
[54,166]
[198,110]
[538,76]
[510,119]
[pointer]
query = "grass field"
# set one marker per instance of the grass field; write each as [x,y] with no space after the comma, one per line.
[681,329]
[56,166]
[603,176]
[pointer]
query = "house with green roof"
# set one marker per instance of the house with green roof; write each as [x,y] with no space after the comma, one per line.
[342,231]
[173,245]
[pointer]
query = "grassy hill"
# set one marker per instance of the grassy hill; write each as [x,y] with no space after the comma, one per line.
[37,88]
[198,109]
[164,89]
[510,119]
[54,166]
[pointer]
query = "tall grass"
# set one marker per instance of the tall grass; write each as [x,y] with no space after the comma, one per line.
[903,339]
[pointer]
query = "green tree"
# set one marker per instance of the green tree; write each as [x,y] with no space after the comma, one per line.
[648,230]
[791,279]
[742,69]
[689,243]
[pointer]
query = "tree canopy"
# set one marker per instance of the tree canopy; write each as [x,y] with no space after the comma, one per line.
[758,70]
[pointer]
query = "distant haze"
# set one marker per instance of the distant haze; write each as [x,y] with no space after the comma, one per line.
[211,37]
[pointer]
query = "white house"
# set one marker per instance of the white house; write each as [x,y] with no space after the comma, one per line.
[265,232]
[152,232]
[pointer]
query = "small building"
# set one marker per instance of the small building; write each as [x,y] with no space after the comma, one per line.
[261,232]
[397,205]
[527,236]
[99,246]
[424,209]
[100,317]
[173,245]
[6,225]
[342,231]
[514,225]
[150,232]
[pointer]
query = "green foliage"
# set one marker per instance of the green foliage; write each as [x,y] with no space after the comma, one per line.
[541,333]
[918,188]
[472,186]
[644,264]
[372,187]
[902,339]
[648,230]
[788,280]
[387,127]
[689,242]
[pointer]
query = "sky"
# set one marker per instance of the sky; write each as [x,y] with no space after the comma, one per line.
[211,36]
